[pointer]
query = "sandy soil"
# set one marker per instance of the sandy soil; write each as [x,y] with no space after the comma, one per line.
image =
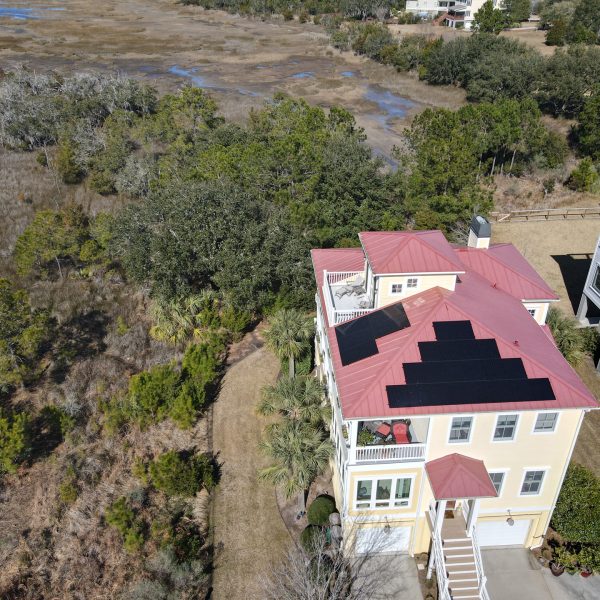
[248,530]
[244,61]
[532,37]
[561,252]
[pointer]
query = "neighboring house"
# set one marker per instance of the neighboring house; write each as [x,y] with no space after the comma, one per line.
[586,314]
[456,14]
[454,414]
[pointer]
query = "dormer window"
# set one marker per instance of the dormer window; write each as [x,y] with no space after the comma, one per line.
[412,283]
[396,288]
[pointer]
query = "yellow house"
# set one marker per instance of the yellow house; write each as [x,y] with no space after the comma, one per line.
[454,414]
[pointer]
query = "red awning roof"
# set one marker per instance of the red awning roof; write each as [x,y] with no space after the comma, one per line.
[457,476]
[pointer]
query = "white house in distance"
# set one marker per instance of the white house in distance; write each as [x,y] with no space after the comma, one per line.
[457,14]
[454,414]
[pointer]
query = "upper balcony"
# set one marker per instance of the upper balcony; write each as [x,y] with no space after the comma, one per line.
[394,440]
[347,295]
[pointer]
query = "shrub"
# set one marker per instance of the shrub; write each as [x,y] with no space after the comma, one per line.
[122,517]
[311,538]
[66,162]
[181,475]
[320,509]
[572,341]
[584,177]
[13,441]
[577,513]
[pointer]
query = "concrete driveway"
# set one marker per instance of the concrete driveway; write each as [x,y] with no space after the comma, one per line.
[387,577]
[514,573]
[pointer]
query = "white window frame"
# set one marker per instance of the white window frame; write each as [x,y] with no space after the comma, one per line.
[503,472]
[412,283]
[468,440]
[516,427]
[546,431]
[391,502]
[396,292]
[544,470]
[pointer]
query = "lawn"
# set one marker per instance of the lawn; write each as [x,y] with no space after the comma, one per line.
[561,252]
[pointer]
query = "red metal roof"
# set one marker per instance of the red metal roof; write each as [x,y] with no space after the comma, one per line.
[409,252]
[504,266]
[493,312]
[456,476]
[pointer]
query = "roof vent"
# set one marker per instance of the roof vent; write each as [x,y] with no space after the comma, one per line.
[480,232]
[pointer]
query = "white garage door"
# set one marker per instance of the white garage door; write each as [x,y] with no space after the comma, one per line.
[376,539]
[500,533]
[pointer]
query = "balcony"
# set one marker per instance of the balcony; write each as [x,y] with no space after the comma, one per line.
[392,441]
[347,295]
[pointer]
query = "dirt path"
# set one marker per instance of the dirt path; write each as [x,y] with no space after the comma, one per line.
[249,533]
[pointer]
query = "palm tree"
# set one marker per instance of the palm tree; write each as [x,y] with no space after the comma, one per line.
[300,452]
[288,335]
[297,399]
[570,339]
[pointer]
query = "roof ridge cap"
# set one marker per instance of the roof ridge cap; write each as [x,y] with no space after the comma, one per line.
[413,235]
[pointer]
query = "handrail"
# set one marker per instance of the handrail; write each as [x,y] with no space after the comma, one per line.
[481,578]
[439,562]
[341,316]
[334,277]
[414,451]
[545,214]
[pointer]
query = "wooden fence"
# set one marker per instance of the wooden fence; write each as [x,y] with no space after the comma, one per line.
[546,214]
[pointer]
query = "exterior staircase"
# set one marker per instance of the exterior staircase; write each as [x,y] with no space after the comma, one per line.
[461,570]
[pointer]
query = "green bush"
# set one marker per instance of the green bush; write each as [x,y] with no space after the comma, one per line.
[13,441]
[320,509]
[122,517]
[577,513]
[181,475]
[66,162]
[312,538]
[584,177]
[573,342]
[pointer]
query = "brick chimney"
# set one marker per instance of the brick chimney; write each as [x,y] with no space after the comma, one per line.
[480,233]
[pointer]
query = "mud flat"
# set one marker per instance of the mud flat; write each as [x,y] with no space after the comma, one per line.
[241,61]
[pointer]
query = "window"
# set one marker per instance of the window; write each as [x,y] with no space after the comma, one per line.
[532,484]
[396,288]
[460,431]
[497,479]
[545,422]
[377,493]
[532,311]
[412,282]
[505,427]
[596,283]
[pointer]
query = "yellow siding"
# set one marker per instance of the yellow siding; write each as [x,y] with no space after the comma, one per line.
[426,282]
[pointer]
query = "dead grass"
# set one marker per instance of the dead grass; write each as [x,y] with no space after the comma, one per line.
[249,533]
[561,251]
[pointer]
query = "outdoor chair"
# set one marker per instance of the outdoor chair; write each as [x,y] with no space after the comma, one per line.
[401,433]
[343,291]
[383,431]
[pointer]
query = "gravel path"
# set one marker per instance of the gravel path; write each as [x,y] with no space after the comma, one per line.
[248,530]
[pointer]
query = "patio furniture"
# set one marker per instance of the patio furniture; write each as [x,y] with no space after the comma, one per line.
[358,282]
[401,433]
[363,304]
[383,431]
[343,291]
[359,291]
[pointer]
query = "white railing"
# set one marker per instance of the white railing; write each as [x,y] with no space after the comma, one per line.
[389,453]
[439,562]
[341,316]
[334,277]
[481,578]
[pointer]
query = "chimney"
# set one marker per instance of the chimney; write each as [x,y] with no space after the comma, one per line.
[480,233]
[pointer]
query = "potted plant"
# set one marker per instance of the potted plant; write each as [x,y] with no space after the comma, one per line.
[589,559]
[365,437]
[563,560]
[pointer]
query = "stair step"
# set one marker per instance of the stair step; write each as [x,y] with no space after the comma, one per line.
[462,578]
[455,561]
[459,555]
[469,585]
[458,539]
[465,596]
[461,571]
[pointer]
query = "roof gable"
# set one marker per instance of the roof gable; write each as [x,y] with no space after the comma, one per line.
[392,252]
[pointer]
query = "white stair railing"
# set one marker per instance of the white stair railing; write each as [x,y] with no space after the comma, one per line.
[481,578]
[439,564]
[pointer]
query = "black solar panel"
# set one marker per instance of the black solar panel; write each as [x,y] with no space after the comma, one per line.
[459,350]
[464,370]
[469,392]
[453,330]
[459,369]
[356,339]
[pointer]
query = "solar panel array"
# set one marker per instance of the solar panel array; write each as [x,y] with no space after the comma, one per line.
[357,339]
[459,369]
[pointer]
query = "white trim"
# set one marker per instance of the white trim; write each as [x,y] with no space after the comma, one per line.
[546,432]
[420,273]
[522,512]
[542,483]
[516,427]
[391,501]
[502,485]
[461,442]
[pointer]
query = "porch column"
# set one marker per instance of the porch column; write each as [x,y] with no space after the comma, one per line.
[437,530]
[353,433]
[473,513]
[582,310]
